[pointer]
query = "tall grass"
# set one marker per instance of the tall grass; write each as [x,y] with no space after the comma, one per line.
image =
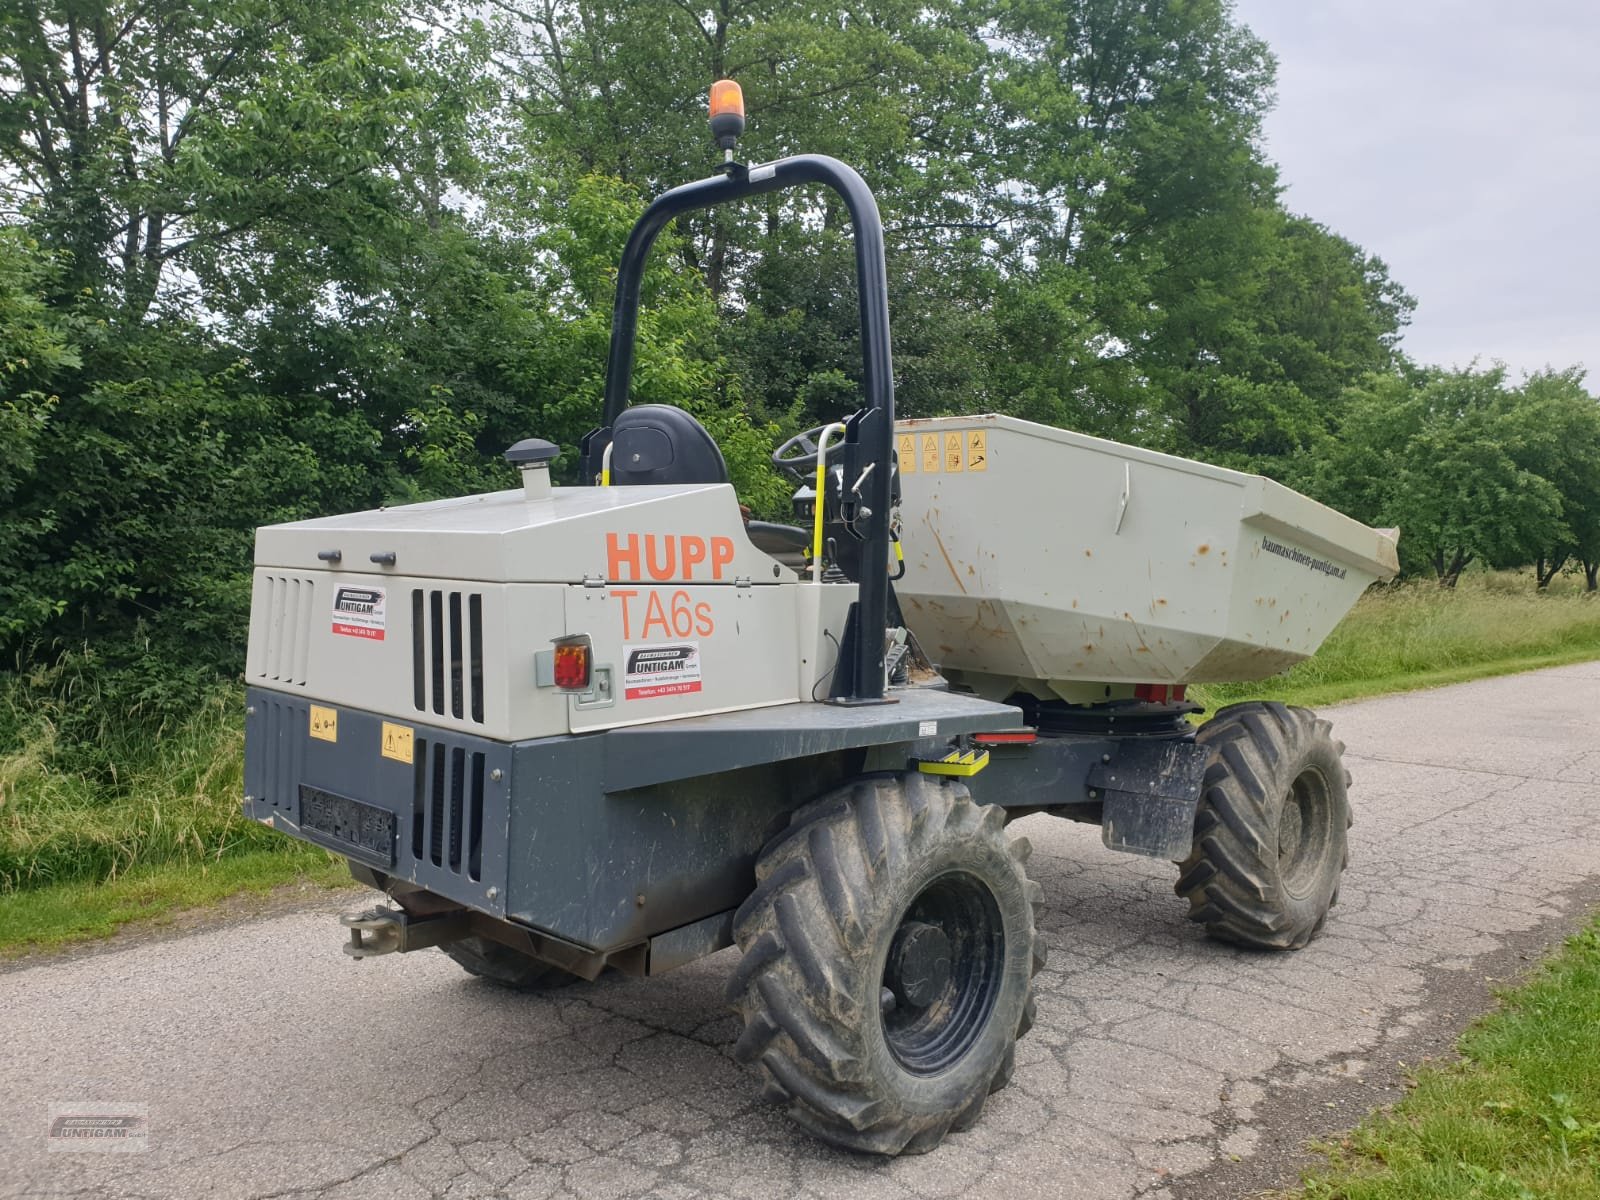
[138,794]
[1415,633]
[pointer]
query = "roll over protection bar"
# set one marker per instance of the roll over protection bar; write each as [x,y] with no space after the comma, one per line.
[868,447]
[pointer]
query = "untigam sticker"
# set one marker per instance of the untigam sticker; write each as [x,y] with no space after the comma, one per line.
[359,612]
[655,671]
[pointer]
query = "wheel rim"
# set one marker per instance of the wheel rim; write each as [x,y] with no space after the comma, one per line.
[942,974]
[1305,833]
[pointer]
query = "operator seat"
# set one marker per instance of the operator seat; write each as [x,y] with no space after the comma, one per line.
[657,443]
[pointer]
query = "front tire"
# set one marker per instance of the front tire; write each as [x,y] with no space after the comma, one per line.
[889,952]
[1270,842]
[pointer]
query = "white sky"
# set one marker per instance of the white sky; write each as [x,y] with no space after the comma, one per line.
[1459,140]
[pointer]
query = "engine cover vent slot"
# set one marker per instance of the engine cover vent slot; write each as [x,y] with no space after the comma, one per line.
[447,653]
[288,606]
[447,808]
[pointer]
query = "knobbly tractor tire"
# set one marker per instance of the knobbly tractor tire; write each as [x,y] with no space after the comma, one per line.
[506,967]
[889,953]
[1270,834]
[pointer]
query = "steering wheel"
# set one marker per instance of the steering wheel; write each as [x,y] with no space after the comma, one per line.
[797,457]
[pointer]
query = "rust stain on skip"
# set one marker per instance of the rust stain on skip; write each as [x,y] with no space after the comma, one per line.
[948,561]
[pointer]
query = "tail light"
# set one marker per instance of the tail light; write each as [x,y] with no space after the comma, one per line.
[1159,693]
[572,659]
[1006,737]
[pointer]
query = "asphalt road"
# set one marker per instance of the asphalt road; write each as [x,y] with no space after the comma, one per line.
[1161,1066]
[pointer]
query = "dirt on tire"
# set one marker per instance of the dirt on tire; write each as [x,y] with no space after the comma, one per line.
[816,934]
[1270,833]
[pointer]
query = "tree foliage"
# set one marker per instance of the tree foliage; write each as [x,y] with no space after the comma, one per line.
[1470,468]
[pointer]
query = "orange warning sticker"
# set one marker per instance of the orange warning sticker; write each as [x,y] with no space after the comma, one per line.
[977,449]
[906,449]
[952,453]
[398,742]
[324,723]
[930,453]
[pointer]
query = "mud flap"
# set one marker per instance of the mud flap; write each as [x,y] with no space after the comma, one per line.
[1150,791]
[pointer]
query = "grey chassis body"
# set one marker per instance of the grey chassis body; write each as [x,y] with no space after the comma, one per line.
[632,847]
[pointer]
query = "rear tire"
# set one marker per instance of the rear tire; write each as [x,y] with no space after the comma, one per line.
[889,953]
[1270,842]
[506,967]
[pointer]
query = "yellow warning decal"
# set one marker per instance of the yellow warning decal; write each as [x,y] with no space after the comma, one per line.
[977,449]
[324,723]
[957,763]
[905,446]
[399,742]
[930,453]
[952,453]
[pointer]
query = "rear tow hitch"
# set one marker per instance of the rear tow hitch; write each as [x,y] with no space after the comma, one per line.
[380,930]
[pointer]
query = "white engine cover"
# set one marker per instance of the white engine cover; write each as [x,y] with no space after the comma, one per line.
[683,611]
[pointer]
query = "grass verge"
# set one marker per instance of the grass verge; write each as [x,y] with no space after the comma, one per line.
[1418,635]
[129,820]
[45,917]
[1517,1118]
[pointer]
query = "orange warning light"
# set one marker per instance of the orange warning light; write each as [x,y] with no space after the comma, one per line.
[726,97]
[727,114]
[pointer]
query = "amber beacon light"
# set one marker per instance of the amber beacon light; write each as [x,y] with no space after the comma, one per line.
[727,113]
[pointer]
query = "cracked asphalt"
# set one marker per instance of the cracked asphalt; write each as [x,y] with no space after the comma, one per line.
[1162,1065]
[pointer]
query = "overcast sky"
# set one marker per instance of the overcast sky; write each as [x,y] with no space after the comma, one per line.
[1459,140]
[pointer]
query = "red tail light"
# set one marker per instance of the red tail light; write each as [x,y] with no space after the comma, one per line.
[1006,737]
[572,664]
[1159,693]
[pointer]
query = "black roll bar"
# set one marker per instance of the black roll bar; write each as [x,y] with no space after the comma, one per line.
[869,435]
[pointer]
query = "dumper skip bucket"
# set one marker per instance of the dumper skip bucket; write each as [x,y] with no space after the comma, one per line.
[1044,561]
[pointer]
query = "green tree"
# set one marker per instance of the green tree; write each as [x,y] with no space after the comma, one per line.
[1444,456]
[37,349]
[213,188]
[273,259]
[161,144]
[1560,439]
[575,230]
[1161,294]
[891,87]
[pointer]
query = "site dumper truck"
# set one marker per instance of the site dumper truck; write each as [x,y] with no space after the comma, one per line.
[620,726]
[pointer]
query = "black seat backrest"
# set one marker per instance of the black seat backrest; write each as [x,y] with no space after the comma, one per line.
[657,443]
